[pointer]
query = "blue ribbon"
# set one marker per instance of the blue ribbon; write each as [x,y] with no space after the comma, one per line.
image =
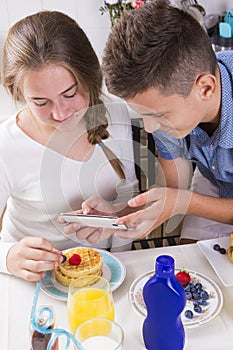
[56,332]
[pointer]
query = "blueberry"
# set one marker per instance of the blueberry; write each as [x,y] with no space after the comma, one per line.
[198,286]
[64,258]
[198,308]
[188,295]
[216,247]
[196,296]
[204,295]
[203,302]
[219,249]
[188,314]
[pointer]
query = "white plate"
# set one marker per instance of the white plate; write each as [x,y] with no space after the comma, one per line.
[214,306]
[220,262]
[113,270]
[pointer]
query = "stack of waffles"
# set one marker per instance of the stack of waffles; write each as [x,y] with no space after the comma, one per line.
[230,249]
[91,263]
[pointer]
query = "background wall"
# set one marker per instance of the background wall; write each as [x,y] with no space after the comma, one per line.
[86,12]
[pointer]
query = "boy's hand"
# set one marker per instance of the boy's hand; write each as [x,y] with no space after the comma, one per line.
[160,204]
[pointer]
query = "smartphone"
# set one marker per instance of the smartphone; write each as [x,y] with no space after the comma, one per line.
[94,220]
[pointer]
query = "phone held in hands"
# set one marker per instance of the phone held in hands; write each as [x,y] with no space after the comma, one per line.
[94,221]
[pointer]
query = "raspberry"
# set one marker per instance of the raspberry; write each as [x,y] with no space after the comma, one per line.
[75,259]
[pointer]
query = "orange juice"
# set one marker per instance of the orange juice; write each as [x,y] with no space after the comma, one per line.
[89,303]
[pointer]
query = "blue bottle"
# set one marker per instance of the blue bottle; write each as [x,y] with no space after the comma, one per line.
[165,300]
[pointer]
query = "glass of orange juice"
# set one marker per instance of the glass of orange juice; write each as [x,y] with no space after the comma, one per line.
[88,299]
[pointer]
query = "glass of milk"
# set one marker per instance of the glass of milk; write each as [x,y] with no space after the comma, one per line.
[100,334]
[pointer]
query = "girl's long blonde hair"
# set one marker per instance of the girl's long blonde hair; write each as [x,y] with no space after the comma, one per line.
[51,37]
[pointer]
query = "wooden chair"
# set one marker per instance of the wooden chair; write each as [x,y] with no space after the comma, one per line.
[145,157]
[144,149]
[1,217]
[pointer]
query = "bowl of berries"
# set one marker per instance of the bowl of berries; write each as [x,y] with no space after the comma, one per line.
[204,298]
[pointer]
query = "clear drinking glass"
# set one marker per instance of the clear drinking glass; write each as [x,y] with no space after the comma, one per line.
[100,334]
[87,300]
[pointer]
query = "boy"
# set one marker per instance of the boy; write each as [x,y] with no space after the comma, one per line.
[160,60]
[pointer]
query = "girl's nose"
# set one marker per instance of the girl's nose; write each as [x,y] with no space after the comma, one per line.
[59,111]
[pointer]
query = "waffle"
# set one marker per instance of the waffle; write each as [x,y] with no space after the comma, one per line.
[230,249]
[91,264]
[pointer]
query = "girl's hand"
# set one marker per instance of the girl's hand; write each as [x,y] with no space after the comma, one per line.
[72,227]
[97,206]
[30,257]
[94,206]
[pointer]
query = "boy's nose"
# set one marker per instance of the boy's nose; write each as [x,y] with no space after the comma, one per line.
[150,124]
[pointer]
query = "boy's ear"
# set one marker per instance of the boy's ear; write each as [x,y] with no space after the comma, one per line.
[206,85]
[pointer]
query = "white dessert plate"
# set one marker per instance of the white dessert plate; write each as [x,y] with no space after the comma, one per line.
[209,311]
[220,262]
[113,270]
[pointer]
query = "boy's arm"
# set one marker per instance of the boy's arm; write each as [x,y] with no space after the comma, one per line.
[164,202]
[212,208]
[175,173]
[174,197]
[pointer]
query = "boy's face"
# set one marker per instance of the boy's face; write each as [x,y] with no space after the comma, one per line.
[175,115]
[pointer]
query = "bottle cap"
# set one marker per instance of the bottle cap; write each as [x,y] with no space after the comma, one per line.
[44,317]
[225,30]
[164,266]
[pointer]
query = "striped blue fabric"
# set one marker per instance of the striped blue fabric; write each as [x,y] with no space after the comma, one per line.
[213,154]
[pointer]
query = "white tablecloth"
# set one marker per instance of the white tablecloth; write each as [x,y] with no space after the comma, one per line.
[16,298]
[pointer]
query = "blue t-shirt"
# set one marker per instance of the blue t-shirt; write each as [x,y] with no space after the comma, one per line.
[213,154]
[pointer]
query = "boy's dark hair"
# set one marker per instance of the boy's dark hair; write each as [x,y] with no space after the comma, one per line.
[157,45]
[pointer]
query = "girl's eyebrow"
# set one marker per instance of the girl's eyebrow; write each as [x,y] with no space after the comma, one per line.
[70,88]
[63,92]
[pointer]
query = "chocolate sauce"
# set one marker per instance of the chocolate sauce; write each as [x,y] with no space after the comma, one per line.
[40,341]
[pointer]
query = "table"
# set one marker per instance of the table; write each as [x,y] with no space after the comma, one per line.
[16,297]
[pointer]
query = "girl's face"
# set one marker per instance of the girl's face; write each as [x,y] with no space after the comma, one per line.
[54,97]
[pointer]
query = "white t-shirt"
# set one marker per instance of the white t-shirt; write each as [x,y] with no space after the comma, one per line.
[37,183]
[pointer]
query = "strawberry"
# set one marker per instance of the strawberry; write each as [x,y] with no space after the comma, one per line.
[183,277]
[75,259]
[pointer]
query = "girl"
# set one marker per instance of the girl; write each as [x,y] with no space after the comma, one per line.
[63,146]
